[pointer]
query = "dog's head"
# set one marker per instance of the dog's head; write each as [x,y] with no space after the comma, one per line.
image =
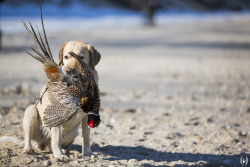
[88,53]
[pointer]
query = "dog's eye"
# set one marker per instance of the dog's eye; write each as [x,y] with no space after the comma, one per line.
[66,57]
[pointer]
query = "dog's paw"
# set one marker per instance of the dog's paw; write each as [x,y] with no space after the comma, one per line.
[88,152]
[27,151]
[62,157]
[65,151]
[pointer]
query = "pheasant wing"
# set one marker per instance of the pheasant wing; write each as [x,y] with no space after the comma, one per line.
[63,104]
[57,114]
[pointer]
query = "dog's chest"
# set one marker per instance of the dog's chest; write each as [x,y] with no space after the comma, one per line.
[74,122]
[70,128]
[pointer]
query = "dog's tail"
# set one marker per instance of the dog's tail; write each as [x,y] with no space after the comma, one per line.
[44,55]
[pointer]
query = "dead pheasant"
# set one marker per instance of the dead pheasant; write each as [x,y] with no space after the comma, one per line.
[67,93]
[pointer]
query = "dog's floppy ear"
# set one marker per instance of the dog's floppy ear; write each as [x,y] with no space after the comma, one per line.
[95,56]
[61,54]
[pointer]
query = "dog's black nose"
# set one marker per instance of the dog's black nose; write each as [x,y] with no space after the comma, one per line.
[71,71]
[68,70]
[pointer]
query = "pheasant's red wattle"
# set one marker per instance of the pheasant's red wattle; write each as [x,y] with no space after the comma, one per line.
[90,123]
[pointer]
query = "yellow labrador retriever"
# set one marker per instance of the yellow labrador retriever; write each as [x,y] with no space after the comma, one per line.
[58,138]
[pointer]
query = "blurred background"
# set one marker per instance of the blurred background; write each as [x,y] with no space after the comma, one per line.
[87,14]
[116,12]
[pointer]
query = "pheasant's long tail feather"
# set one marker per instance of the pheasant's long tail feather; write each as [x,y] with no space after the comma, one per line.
[44,33]
[44,55]
[39,43]
[33,35]
[36,57]
[41,39]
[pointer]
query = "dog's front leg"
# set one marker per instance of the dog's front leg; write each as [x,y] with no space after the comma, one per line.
[86,150]
[30,125]
[56,142]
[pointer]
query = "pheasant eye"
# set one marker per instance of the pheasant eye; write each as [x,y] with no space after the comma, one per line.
[81,57]
[66,57]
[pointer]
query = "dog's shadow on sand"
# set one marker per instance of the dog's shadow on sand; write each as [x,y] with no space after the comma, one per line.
[142,153]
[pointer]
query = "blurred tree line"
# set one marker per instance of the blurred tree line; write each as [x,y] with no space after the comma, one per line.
[148,7]
[201,5]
